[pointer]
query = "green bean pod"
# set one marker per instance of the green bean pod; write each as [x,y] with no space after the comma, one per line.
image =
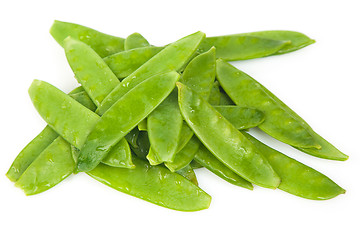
[103,44]
[123,116]
[185,156]
[238,47]
[224,140]
[297,40]
[280,121]
[135,40]
[297,178]
[173,57]
[206,159]
[155,184]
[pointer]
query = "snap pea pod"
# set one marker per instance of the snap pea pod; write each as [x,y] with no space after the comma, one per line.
[155,184]
[224,140]
[50,167]
[33,149]
[123,116]
[297,40]
[297,178]
[205,158]
[185,156]
[185,136]
[188,173]
[90,70]
[135,40]
[280,121]
[173,57]
[241,117]
[103,44]
[125,63]
[164,126]
[239,47]
[71,120]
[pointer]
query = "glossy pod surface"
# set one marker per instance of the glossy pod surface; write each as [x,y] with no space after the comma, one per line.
[155,184]
[280,121]
[173,57]
[103,44]
[224,140]
[297,178]
[123,116]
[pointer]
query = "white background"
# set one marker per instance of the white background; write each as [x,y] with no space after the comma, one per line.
[320,82]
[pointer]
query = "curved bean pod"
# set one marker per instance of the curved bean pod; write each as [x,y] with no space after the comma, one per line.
[173,57]
[280,121]
[135,40]
[123,116]
[209,161]
[155,184]
[103,44]
[224,140]
[297,178]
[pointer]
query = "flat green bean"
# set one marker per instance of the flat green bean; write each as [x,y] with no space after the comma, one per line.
[155,184]
[224,140]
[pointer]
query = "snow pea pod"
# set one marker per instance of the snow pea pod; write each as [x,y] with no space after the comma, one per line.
[52,166]
[224,140]
[185,156]
[280,121]
[238,47]
[297,178]
[123,116]
[241,117]
[215,95]
[297,40]
[185,136]
[155,184]
[205,158]
[90,70]
[135,40]
[125,63]
[33,149]
[173,57]
[164,126]
[103,44]
[71,120]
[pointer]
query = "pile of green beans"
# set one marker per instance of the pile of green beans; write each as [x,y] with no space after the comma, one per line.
[145,117]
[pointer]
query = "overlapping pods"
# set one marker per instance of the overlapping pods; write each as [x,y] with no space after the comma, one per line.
[128,116]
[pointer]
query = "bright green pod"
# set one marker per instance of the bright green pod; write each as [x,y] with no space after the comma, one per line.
[224,140]
[103,44]
[51,166]
[154,184]
[123,116]
[280,121]
[135,40]
[164,126]
[173,57]
[188,173]
[241,117]
[90,70]
[209,161]
[125,63]
[297,40]
[239,47]
[71,120]
[297,178]
[185,156]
